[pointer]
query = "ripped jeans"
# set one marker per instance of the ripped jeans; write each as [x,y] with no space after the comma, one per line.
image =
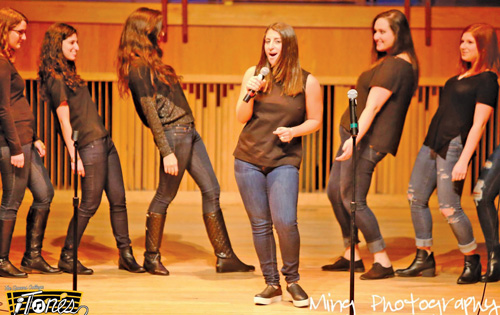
[486,190]
[430,172]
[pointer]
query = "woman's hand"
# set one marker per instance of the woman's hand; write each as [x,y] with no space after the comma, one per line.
[347,151]
[255,83]
[79,164]
[284,133]
[40,147]
[459,171]
[17,160]
[170,164]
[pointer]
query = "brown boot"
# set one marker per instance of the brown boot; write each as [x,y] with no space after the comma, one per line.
[154,232]
[33,262]
[227,261]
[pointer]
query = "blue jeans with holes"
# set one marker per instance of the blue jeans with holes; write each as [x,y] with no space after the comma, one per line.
[192,156]
[430,172]
[486,190]
[103,172]
[339,192]
[15,180]
[270,198]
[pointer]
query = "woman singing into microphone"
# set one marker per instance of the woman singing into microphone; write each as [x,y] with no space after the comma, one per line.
[288,105]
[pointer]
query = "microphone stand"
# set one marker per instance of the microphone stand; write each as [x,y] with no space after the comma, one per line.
[354,134]
[76,203]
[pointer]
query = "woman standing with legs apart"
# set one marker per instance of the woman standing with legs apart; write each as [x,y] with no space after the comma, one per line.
[385,91]
[97,161]
[162,106]
[466,103]
[21,165]
[287,106]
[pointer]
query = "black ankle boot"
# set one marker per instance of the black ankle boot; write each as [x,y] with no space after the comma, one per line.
[423,264]
[6,267]
[493,272]
[227,261]
[66,260]
[33,262]
[154,232]
[472,270]
[128,262]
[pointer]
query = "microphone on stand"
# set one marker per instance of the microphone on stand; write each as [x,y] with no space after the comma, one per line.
[352,95]
[263,72]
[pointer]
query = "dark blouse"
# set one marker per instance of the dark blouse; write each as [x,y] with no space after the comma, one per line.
[82,111]
[457,104]
[17,123]
[158,106]
[396,75]
[257,143]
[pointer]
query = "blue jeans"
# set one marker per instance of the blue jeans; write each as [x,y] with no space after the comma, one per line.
[339,192]
[486,190]
[103,172]
[15,180]
[270,197]
[192,156]
[430,172]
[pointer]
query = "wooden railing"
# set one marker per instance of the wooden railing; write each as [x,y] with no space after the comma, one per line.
[213,106]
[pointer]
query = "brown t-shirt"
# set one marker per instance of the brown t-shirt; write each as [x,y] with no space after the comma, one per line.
[257,143]
[17,123]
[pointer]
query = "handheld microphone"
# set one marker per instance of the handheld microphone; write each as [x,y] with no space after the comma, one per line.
[263,72]
[352,95]
[74,136]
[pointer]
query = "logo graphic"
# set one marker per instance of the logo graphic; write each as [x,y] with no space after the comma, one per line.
[24,302]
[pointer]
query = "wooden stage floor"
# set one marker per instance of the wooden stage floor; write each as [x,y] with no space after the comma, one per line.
[194,287]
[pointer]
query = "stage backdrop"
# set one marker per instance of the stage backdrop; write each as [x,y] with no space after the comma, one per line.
[222,42]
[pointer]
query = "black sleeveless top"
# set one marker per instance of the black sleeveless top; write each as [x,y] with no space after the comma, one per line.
[257,143]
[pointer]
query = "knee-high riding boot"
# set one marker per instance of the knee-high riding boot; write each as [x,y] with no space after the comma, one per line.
[6,268]
[154,232]
[227,261]
[33,262]
[66,260]
[119,224]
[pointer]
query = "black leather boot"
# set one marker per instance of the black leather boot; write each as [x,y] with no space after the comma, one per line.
[154,232]
[128,262]
[6,268]
[472,270]
[32,261]
[493,272]
[423,264]
[227,261]
[66,259]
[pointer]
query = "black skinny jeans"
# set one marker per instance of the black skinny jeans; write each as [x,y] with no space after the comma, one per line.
[33,175]
[103,172]
[339,192]
[192,156]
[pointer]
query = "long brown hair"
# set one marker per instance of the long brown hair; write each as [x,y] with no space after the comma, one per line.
[287,70]
[403,42]
[487,47]
[139,41]
[9,19]
[52,62]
